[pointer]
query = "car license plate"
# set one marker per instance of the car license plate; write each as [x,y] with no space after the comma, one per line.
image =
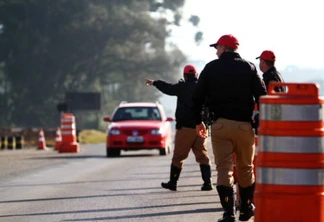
[135,139]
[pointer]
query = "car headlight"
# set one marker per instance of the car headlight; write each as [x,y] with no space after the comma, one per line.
[114,132]
[156,132]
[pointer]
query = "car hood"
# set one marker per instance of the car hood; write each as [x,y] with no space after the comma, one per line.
[137,124]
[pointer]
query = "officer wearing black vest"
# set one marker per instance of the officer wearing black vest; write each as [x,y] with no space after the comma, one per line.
[231,85]
[186,138]
[270,73]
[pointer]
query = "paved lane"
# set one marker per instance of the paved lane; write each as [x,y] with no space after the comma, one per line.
[48,186]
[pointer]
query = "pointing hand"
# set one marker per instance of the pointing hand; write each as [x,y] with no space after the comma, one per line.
[149,82]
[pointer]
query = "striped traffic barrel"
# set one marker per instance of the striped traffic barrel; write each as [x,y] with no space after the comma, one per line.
[68,132]
[290,163]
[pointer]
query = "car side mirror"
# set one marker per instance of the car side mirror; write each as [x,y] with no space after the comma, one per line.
[107,119]
[170,119]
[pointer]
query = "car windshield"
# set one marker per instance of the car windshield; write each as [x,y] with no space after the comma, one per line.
[137,113]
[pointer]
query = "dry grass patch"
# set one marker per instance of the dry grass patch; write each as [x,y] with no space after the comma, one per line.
[92,136]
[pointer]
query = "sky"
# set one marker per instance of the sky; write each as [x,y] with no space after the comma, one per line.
[290,28]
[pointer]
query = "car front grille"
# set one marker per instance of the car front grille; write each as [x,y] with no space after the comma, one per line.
[133,132]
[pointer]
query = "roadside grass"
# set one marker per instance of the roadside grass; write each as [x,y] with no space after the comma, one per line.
[92,136]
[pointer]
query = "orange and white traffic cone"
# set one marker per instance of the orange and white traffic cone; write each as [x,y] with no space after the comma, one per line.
[58,138]
[41,140]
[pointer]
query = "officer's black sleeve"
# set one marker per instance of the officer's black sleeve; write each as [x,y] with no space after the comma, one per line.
[199,96]
[258,87]
[167,88]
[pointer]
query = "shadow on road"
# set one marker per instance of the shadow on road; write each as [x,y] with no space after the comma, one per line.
[198,210]
[91,156]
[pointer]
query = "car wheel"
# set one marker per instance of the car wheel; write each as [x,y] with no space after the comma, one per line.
[113,152]
[163,152]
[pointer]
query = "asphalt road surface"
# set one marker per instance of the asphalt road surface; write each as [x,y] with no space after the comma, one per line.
[44,185]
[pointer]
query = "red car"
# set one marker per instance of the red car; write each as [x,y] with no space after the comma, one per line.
[138,126]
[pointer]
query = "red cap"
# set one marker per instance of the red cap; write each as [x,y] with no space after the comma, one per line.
[227,40]
[267,55]
[189,69]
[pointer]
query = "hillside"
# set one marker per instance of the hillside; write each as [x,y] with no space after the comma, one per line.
[290,74]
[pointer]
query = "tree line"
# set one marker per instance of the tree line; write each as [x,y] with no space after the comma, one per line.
[48,48]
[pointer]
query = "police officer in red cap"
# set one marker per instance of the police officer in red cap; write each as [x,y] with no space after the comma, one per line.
[270,73]
[231,85]
[186,138]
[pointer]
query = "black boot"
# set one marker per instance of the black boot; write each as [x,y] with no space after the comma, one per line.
[174,176]
[247,207]
[226,196]
[206,176]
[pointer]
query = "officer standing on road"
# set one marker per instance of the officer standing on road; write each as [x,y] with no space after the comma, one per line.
[231,85]
[185,137]
[270,73]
